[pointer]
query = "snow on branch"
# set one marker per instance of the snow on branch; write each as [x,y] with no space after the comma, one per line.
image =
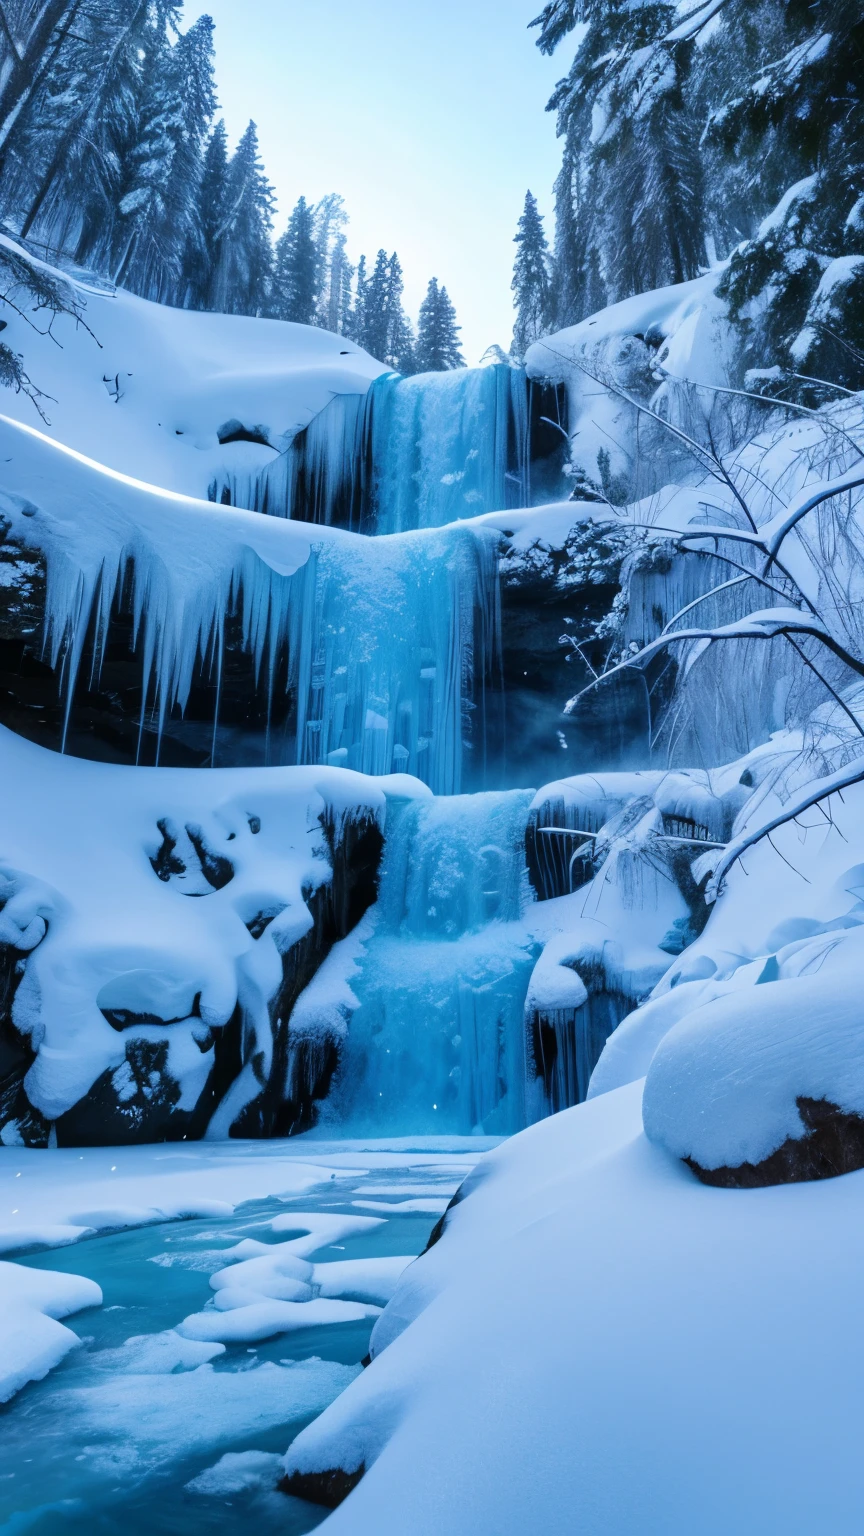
[767,624]
[813,795]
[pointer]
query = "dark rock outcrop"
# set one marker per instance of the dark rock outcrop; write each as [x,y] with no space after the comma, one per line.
[834,1144]
[327,1488]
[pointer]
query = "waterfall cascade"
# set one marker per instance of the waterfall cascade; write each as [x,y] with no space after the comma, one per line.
[437,1043]
[412,453]
[390,659]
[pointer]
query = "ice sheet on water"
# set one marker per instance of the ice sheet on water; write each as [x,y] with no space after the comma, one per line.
[252,1319]
[235,1472]
[404,1207]
[156,1354]
[130,1424]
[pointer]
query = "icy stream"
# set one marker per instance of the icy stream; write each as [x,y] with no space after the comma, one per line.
[111,1441]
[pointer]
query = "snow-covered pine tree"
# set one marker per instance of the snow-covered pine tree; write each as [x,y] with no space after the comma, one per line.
[797,121]
[203,255]
[375,334]
[297,268]
[193,68]
[61,172]
[242,279]
[437,333]
[400,348]
[355,323]
[32,35]
[330,218]
[158,208]
[531,288]
[629,196]
[335,312]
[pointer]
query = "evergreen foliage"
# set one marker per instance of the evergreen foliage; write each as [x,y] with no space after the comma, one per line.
[109,155]
[382,326]
[437,333]
[723,128]
[296,272]
[531,285]
[242,279]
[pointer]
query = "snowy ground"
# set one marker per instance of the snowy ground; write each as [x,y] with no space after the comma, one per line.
[148,390]
[604,1345]
[195,1352]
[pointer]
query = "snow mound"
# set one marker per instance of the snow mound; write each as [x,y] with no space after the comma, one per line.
[237,1471]
[598,1332]
[32,1340]
[150,390]
[128,982]
[724,1084]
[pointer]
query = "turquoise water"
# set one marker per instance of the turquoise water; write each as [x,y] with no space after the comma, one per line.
[104,1447]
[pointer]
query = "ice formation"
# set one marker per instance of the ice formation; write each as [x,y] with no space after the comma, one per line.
[410,453]
[385,655]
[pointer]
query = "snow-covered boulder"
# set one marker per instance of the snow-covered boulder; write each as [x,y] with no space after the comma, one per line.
[156,928]
[767,1086]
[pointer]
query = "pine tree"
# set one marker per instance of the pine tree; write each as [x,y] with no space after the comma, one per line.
[329,220]
[193,69]
[375,333]
[241,282]
[61,171]
[355,328]
[437,333]
[629,199]
[143,241]
[530,279]
[796,288]
[400,345]
[203,256]
[336,299]
[386,331]
[297,269]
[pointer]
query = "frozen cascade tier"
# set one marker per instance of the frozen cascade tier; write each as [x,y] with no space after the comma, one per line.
[416,453]
[437,1041]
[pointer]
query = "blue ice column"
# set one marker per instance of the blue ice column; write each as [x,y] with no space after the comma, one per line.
[437,1045]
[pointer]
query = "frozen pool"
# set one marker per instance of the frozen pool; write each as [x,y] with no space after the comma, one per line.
[142,1429]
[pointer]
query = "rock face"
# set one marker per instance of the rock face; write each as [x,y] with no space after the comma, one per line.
[355,852]
[327,1488]
[834,1144]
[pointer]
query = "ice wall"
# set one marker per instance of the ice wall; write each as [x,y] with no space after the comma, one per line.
[387,645]
[437,1041]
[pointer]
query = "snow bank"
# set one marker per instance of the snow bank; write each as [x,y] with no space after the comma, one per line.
[149,392]
[649,345]
[32,1341]
[598,1333]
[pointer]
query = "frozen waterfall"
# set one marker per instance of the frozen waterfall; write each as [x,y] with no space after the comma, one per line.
[412,453]
[437,1043]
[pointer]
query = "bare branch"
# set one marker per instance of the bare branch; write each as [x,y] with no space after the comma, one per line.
[768,624]
[770,400]
[853,773]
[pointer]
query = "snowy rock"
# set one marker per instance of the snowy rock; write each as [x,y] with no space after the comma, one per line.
[113,1037]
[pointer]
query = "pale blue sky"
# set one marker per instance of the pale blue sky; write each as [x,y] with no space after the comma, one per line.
[428,118]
